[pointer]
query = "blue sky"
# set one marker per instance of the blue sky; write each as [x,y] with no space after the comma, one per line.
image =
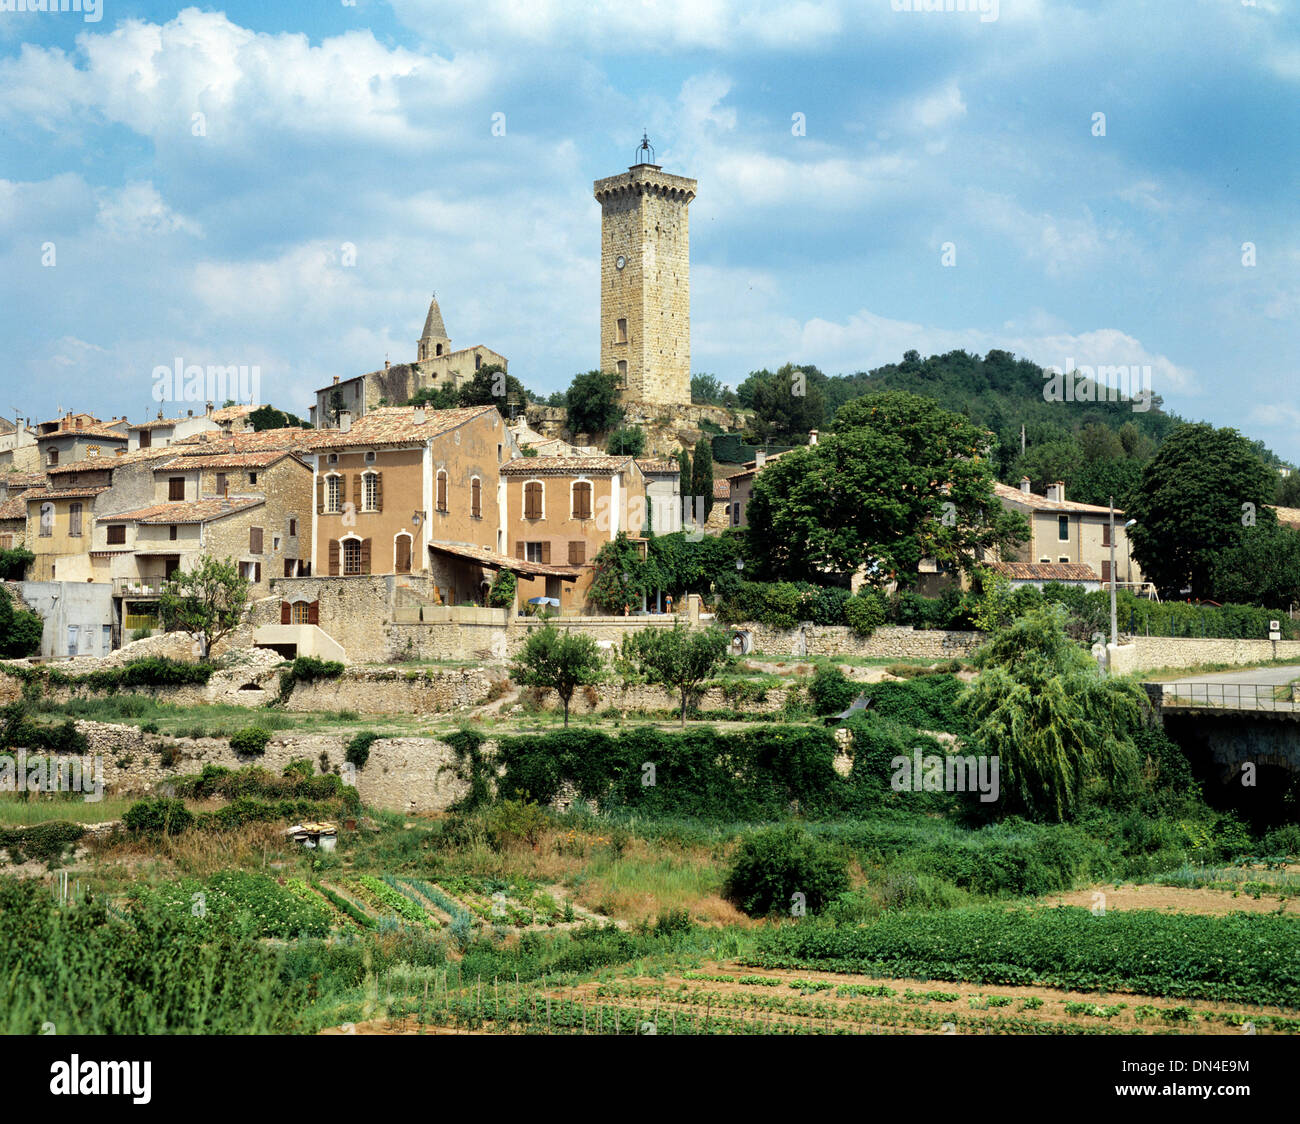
[370,125]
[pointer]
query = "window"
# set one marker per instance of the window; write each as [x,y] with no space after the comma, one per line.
[441,504]
[1046,561]
[370,491]
[171,532]
[438,349]
[275,544]
[351,556]
[333,458]
[290,565]
[498,454]
[533,551]
[1063,558]
[74,519]
[577,552]
[533,499]
[117,534]
[478,361]
[334,493]
[176,488]
[293,527]
[620,330]
[1063,528]
[222,486]
[622,372]
[91,450]
[1105,533]
[72,639]
[300,613]
[146,438]
[254,540]
[252,477]
[582,499]
[54,457]
[402,554]
[476,498]
[735,515]
[370,457]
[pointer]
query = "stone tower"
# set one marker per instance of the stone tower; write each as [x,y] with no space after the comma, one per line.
[645,282]
[434,341]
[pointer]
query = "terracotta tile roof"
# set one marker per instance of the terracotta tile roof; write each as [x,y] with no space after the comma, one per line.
[231,413]
[397,425]
[190,461]
[722,489]
[106,464]
[61,494]
[16,480]
[191,511]
[504,561]
[665,467]
[15,508]
[563,466]
[1042,503]
[751,467]
[1046,571]
[209,442]
[101,431]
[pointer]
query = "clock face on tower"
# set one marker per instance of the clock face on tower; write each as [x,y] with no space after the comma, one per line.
[620,262]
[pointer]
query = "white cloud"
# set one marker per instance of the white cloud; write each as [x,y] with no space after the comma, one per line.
[137,210]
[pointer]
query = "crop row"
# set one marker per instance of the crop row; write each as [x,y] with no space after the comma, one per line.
[397,902]
[1242,957]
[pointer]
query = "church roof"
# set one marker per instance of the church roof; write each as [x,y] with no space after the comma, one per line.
[434,329]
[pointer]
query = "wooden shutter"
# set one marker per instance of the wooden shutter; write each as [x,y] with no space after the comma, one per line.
[284,612]
[403,554]
[320,495]
[356,492]
[176,488]
[546,552]
[257,573]
[520,551]
[442,490]
[379,491]
[582,501]
[288,567]
[476,498]
[577,552]
[365,556]
[313,612]
[1105,570]
[533,500]
[334,558]
[221,483]
[254,540]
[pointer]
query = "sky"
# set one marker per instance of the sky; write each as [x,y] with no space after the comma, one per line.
[283,185]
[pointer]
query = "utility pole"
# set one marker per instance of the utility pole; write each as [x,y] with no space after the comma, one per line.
[1114,637]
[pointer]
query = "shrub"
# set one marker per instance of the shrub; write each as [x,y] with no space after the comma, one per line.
[513,822]
[864,613]
[250,740]
[830,690]
[306,669]
[774,866]
[158,816]
[44,841]
[357,750]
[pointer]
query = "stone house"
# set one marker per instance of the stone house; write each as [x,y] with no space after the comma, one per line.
[77,437]
[403,480]
[741,484]
[18,452]
[1064,532]
[559,511]
[161,432]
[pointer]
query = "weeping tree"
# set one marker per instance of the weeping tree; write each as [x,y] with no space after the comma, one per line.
[1043,707]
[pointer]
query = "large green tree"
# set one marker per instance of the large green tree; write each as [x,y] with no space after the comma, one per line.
[681,658]
[786,403]
[1054,721]
[899,479]
[592,402]
[491,386]
[1199,495]
[1262,569]
[562,661]
[207,601]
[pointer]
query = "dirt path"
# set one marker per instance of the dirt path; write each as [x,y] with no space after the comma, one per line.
[1177,899]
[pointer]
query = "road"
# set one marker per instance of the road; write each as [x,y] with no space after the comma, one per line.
[1250,689]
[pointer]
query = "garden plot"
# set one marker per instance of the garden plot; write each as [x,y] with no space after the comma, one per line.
[731,999]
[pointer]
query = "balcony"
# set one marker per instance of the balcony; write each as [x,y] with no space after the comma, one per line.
[138,589]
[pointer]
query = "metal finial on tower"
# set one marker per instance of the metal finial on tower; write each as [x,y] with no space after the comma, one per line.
[645,147]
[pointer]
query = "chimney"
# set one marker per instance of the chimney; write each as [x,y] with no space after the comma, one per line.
[207,409]
[1024,484]
[345,421]
[189,413]
[1056,492]
[760,458]
[387,364]
[417,415]
[336,380]
[812,437]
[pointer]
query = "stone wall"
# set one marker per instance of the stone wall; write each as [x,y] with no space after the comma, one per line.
[401,775]
[1147,653]
[839,640]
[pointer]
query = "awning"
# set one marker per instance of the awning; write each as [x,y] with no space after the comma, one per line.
[494,561]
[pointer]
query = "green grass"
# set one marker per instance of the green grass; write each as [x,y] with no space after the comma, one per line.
[16,813]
